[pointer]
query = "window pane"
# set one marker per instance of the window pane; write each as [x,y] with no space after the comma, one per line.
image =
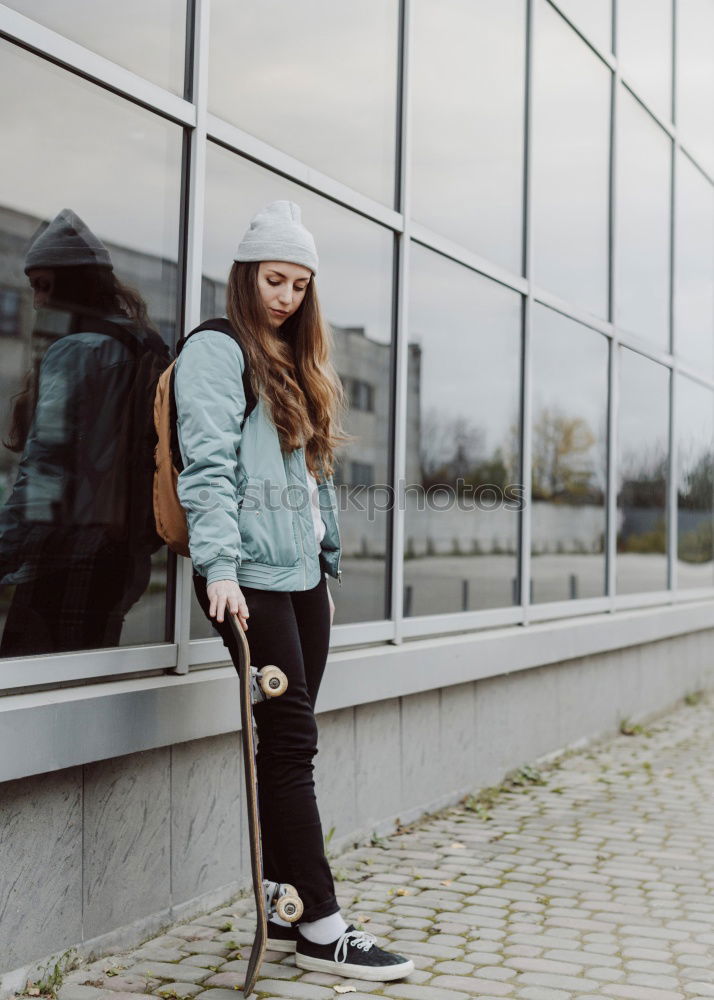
[645,47]
[316,79]
[72,564]
[354,284]
[571,114]
[643,223]
[593,17]
[463,439]
[643,448]
[695,483]
[695,79]
[468,98]
[569,465]
[694,267]
[147,38]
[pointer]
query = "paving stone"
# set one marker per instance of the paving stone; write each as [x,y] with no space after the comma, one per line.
[183,990]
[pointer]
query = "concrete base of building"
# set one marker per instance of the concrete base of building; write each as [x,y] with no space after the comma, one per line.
[103,856]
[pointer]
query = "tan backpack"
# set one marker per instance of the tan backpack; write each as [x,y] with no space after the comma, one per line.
[169,514]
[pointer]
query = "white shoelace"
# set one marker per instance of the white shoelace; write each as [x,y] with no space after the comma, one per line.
[360,939]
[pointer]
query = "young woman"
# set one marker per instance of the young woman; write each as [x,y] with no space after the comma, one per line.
[263,537]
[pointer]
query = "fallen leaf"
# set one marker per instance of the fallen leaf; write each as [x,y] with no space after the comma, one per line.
[457,845]
[402,892]
[345,989]
[446,881]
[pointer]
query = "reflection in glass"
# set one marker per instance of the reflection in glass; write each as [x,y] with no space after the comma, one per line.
[695,483]
[569,459]
[354,285]
[467,176]
[643,223]
[571,148]
[695,79]
[644,42]
[68,360]
[147,38]
[643,448]
[463,417]
[694,267]
[593,18]
[316,79]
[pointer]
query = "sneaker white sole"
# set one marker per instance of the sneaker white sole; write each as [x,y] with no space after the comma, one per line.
[287,946]
[374,973]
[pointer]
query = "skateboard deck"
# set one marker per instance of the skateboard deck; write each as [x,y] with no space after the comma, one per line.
[268,682]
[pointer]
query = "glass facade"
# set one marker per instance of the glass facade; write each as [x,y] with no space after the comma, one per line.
[514,209]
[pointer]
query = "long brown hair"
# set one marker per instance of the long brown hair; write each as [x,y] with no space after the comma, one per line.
[291,370]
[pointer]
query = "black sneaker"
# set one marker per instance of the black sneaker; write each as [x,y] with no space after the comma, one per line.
[281,938]
[354,954]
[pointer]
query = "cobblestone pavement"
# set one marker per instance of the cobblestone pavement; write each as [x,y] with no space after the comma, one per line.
[588,876]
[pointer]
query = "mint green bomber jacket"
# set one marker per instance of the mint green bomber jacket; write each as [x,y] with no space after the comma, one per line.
[247,503]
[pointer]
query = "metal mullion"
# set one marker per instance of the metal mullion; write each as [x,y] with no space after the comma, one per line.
[195,207]
[94,664]
[401,347]
[672,519]
[606,57]
[235,139]
[204,652]
[671,508]
[525,527]
[426,626]
[82,62]
[613,368]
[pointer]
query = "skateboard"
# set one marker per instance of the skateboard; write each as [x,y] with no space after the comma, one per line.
[257,685]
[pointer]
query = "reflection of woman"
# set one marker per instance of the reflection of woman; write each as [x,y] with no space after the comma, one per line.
[259,552]
[64,540]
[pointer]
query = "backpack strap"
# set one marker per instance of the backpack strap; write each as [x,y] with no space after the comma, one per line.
[224,326]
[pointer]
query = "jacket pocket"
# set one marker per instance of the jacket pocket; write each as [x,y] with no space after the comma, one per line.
[267,535]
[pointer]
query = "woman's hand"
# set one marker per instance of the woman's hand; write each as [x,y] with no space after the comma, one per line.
[227,593]
[332,605]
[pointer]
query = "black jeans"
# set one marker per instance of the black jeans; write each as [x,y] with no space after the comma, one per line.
[292,631]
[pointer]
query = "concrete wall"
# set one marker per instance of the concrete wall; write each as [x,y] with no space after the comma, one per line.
[105,854]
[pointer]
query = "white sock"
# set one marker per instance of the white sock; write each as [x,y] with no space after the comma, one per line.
[274,918]
[325,930]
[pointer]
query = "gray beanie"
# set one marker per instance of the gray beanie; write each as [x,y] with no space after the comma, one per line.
[276,233]
[67,242]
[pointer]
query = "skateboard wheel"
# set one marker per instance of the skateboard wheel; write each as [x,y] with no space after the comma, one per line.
[272,681]
[289,907]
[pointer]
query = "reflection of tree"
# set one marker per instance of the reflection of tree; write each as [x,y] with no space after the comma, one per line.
[452,447]
[562,467]
[643,477]
[696,486]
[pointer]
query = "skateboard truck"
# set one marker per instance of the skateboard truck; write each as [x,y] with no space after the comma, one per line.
[267,682]
[282,899]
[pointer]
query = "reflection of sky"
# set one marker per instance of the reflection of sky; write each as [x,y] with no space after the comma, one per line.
[571,113]
[643,223]
[593,17]
[316,79]
[469,331]
[147,38]
[68,143]
[694,267]
[695,83]
[468,97]
[695,423]
[643,411]
[355,256]
[570,378]
[645,48]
